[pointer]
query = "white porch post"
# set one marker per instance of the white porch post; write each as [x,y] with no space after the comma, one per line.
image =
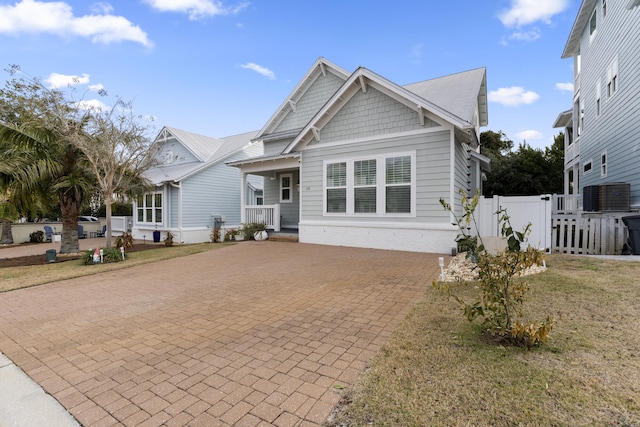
[276,217]
[243,198]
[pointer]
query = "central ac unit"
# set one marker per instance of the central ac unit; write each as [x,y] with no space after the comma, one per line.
[615,196]
[591,198]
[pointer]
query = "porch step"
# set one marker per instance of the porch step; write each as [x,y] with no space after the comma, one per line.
[280,238]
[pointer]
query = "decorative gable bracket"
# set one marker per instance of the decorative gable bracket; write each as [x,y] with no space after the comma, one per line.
[421,114]
[316,133]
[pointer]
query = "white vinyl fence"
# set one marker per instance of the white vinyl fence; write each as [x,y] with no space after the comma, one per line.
[522,210]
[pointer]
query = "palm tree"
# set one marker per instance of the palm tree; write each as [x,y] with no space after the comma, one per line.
[39,159]
[37,165]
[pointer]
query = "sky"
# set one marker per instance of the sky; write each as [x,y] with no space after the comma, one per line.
[221,68]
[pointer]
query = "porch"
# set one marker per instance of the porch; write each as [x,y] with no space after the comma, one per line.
[280,175]
[267,214]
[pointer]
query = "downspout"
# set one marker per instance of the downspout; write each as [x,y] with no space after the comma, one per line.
[452,174]
[179,187]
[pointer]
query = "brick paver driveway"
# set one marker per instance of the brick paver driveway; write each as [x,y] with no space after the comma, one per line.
[255,334]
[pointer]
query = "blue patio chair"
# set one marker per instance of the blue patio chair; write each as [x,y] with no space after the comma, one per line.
[81,233]
[48,233]
[103,231]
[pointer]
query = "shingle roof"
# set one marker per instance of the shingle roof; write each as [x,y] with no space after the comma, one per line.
[456,93]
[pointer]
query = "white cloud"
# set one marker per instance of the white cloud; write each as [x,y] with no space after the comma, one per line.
[92,104]
[96,88]
[523,12]
[529,135]
[101,8]
[33,16]
[513,96]
[565,87]
[196,8]
[259,69]
[56,80]
[527,36]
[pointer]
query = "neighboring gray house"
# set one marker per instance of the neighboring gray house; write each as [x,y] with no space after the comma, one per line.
[353,159]
[193,183]
[602,148]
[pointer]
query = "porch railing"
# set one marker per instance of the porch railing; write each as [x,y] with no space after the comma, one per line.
[269,214]
[566,203]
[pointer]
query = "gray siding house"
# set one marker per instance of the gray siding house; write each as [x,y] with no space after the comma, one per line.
[353,159]
[193,183]
[602,149]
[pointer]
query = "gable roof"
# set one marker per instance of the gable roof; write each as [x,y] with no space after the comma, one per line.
[474,80]
[584,15]
[201,146]
[320,66]
[452,93]
[208,150]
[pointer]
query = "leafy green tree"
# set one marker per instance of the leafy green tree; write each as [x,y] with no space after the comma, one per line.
[495,145]
[524,172]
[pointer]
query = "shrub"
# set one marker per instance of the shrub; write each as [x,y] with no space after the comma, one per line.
[248,230]
[501,284]
[215,235]
[36,236]
[124,241]
[108,255]
[168,241]
[231,234]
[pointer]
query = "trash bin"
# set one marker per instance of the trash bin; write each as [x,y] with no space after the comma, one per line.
[633,225]
[51,255]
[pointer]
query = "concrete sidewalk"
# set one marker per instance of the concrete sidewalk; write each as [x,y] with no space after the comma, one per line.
[256,334]
[23,403]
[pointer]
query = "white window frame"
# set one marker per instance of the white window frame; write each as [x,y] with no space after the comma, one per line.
[381,186]
[144,208]
[584,167]
[612,78]
[604,161]
[593,31]
[290,187]
[598,99]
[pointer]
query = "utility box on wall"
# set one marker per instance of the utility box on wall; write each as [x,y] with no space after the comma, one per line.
[217,221]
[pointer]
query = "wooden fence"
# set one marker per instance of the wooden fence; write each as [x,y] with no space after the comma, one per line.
[571,234]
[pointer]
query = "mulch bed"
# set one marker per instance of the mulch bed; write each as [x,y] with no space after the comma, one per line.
[42,259]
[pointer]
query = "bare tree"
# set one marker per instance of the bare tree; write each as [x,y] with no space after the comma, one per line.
[119,150]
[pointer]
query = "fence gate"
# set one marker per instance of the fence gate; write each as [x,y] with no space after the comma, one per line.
[521,210]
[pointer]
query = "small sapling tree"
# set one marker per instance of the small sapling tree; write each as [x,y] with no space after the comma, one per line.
[501,283]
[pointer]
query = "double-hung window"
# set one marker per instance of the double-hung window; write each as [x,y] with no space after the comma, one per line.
[612,78]
[364,174]
[336,184]
[378,185]
[149,208]
[285,188]
[398,184]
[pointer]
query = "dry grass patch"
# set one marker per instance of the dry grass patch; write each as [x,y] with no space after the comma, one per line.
[22,277]
[437,371]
